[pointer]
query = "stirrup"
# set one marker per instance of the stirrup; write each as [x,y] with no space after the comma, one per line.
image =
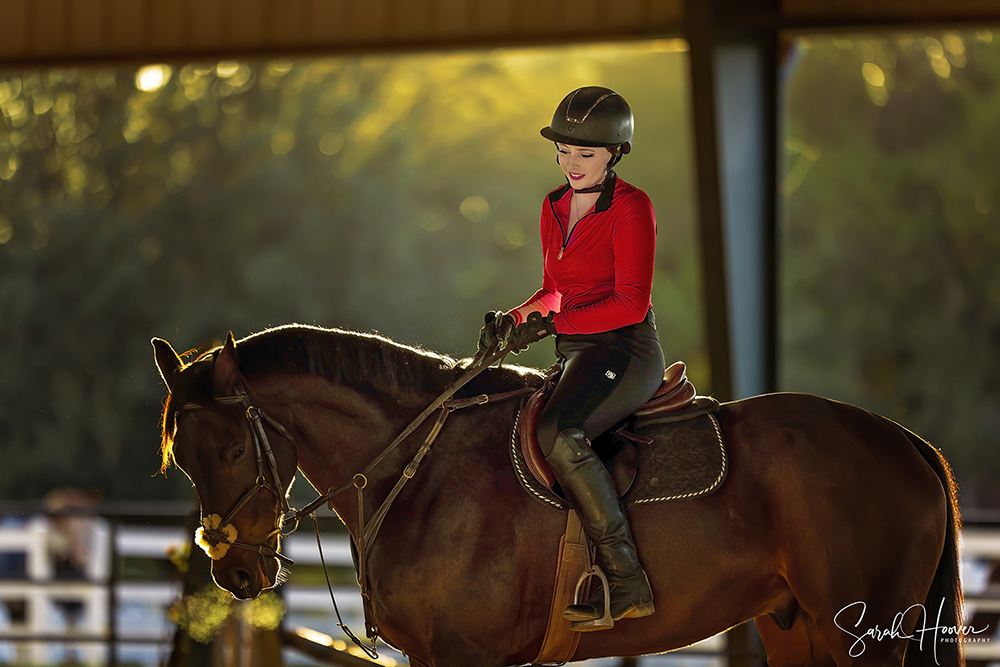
[604,621]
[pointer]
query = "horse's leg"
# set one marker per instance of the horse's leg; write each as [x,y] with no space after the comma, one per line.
[868,542]
[802,645]
[855,592]
[862,583]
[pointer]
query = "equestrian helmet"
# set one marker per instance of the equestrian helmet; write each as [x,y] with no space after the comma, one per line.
[592,116]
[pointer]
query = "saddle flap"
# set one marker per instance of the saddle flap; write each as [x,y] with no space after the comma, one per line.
[527,431]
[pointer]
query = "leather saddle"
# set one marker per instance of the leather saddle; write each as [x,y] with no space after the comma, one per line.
[674,395]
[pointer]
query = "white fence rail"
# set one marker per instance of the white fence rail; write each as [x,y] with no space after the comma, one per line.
[34,637]
[33,623]
[980,564]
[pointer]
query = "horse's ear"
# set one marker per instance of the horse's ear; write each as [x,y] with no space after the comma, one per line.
[167,362]
[227,366]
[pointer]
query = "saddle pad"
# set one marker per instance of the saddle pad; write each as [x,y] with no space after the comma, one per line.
[686,459]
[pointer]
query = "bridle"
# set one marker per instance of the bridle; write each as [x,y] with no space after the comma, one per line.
[216,535]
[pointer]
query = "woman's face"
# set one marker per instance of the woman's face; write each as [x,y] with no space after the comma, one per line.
[584,166]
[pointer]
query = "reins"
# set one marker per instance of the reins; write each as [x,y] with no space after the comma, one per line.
[368,531]
[216,534]
[480,362]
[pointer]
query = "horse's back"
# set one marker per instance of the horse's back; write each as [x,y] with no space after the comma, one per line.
[835,448]
[820,462]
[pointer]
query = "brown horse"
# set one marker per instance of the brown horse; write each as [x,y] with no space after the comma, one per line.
[836,529]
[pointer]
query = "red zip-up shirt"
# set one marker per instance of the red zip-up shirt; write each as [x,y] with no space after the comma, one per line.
[600,276]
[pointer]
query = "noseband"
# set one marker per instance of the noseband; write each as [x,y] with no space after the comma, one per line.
[216,535]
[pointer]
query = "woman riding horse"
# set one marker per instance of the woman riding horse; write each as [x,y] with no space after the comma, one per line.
[598,243]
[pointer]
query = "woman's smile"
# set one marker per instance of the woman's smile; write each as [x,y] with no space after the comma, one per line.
[583,166]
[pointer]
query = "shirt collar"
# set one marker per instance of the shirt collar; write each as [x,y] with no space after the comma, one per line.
[603,201]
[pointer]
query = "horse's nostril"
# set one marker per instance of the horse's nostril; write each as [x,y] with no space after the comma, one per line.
[242,579]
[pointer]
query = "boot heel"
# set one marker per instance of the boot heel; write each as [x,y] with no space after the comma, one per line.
[644,603]
[640,610]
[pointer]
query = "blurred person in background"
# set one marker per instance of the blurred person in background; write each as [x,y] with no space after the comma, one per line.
[71,545]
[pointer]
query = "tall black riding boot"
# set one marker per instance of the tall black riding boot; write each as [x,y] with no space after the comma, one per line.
[590,489]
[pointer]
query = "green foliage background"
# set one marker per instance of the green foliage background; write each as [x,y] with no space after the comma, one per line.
[891,237]
[401,194]
[398,194]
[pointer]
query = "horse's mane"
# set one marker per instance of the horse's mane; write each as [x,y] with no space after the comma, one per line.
[356,359]
[369,362]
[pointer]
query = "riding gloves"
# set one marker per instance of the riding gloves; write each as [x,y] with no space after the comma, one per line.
[533,329]
[498,327]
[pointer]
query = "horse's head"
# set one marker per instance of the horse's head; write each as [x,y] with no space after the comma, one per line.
[240,461]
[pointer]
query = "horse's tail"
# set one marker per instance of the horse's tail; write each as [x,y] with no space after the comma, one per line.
[946,588]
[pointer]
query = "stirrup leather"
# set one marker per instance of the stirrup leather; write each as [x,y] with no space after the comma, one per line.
[604,621]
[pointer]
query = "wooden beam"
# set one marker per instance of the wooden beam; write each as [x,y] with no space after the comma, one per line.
[45,31]
[88,26]
[13,29]
[893,10]
[169,20]
[48,31]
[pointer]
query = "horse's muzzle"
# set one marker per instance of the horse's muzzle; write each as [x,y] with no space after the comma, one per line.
[245,574]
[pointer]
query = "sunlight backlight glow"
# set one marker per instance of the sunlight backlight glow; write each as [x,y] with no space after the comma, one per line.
[151,78]
[873,74]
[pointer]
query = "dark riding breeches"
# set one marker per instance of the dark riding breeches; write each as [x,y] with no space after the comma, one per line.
[605,378]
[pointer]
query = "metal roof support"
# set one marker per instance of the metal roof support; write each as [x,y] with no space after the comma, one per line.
[745,75]
[734,97]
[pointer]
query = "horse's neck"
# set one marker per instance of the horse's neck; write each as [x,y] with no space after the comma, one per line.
[339,431]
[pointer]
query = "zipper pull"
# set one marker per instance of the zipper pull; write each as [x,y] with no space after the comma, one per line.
[561,251]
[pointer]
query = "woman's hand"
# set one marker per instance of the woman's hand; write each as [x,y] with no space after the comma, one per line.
[532,330]
[495,331]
